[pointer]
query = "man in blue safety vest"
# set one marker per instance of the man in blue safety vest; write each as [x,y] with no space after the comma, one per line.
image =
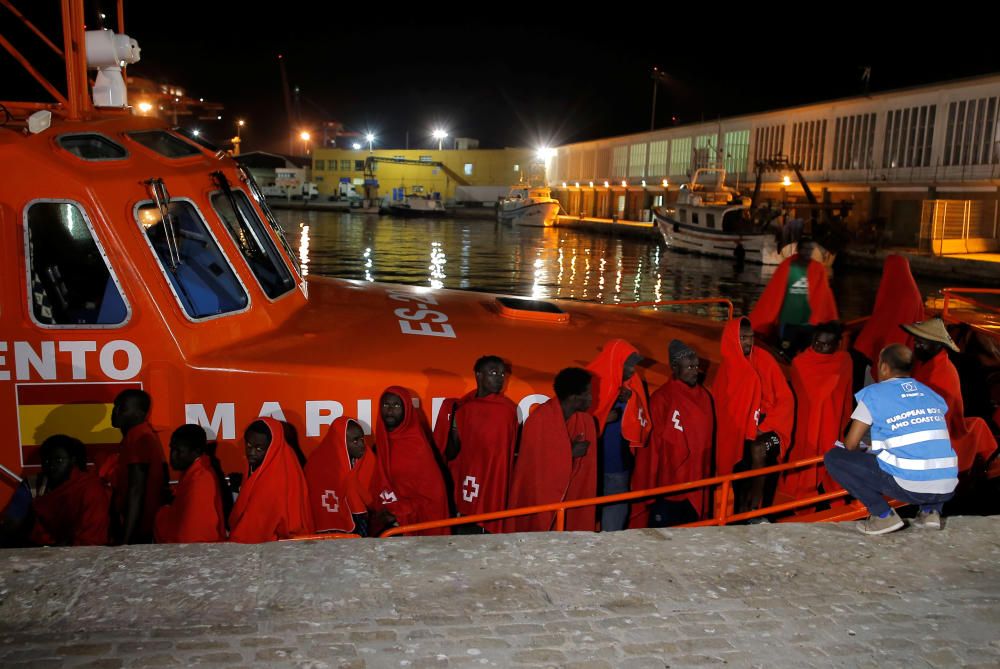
[910,457]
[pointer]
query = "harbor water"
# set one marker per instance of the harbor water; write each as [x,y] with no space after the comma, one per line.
[540,263]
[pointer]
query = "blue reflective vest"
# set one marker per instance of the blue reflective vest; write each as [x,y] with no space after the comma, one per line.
[910,435]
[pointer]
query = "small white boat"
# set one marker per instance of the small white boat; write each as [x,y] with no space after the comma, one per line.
[416,205]
[528,206]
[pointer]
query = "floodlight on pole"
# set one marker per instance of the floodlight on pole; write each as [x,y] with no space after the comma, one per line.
[439,135]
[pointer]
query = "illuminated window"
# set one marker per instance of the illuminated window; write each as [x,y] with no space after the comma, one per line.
[468,169]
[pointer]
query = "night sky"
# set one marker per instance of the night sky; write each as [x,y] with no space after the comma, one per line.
[523,74]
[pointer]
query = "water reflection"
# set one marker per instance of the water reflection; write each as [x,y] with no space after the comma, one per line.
[535,262]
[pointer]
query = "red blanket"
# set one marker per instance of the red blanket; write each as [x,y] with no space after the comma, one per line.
[970,437]
[822,306]
[822,385]
[898,302]
[73,514]
[751,395]
[335,488]
[680,448]
[196,514]
[487,431]
[408,480]
[141,446]
[547,472]
[274,501]
[607,369]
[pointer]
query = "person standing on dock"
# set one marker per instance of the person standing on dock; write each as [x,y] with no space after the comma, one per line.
[339,474]
[755,412]
[408,481]
[195,516]
[621,407]
[138,473]
[557,460]
[274,501]
[477,434]
[910,458]
[971,437]
[680,447]
[821,378]
[796,298]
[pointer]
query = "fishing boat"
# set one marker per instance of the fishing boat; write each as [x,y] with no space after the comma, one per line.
[416,203]
[528,206]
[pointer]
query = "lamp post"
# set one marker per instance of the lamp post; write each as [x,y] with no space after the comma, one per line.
[305,137]
[239,126]
[371,139]
[439,135]
[657,77]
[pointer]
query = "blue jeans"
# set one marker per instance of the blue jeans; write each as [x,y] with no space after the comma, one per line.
[861,476]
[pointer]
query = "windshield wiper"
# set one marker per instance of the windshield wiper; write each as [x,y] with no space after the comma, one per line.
[158,191]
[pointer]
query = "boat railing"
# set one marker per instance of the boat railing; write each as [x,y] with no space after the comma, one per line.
[952,295]
[723,516]
[664,303]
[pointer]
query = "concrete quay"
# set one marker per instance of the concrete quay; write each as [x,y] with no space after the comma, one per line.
[786,595]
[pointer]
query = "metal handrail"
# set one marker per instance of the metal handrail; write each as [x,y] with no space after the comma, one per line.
[953,293]
[723,518]
[659,303]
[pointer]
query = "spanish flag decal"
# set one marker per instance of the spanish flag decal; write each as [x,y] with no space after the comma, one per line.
[81,410]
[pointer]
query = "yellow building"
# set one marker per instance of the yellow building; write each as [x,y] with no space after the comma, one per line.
[425,170]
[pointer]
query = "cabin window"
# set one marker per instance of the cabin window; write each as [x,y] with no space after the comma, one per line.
[710,220]
[71,282]
[251,238]
[199,275]
[165,144]
[92,147]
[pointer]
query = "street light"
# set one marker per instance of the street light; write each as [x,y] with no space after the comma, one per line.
[439,135]
[305,137]
[355,146]
[239,126]
[145,107]
[370,138]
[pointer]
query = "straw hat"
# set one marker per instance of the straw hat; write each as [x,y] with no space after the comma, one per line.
[932,330]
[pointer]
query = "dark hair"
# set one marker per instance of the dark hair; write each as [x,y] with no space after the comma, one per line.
[74,448]
[571,381]
[898,358]
[258,427]
[133,396]
[487,359]
[835,328]
[192,436]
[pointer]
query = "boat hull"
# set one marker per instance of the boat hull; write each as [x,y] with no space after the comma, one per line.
[536,214]
[759,247]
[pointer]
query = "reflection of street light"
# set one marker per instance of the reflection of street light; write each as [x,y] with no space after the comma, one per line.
[439,135]
[370,139]
[305,137]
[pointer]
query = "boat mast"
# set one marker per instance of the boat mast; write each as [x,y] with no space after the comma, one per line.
[78,102]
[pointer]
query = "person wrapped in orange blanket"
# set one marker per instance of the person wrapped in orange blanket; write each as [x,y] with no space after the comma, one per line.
[970,436]
[557,460]
[195,516]
[796,298]
[621,407]
[274,501]
[680,448]
[74,511]
[755,412]
[408,481]
[821,378]
[898,302]
[339,473]
[478,434]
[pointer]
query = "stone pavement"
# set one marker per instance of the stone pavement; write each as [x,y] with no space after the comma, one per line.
[768,596]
